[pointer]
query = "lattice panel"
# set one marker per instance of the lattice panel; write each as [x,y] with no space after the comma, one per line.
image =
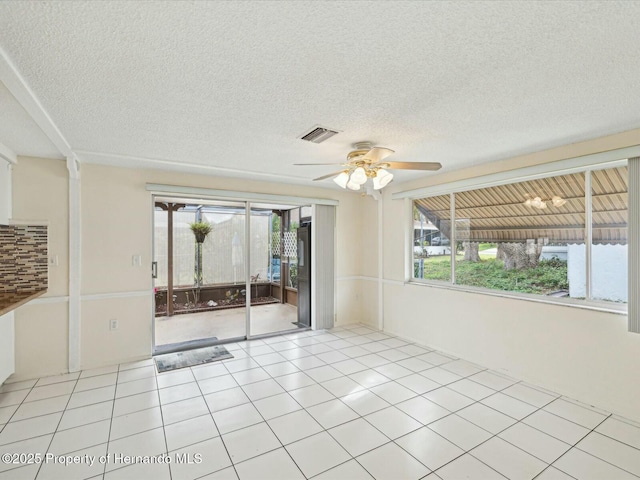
[291,244]
[275,243]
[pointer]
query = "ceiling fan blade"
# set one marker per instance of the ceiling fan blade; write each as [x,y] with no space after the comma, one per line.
[307,164]
[327,176]
[377,153]
[413,165]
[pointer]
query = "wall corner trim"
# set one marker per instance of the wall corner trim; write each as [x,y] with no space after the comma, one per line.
[8,155]
[74,263]
[17,85]
[634,245]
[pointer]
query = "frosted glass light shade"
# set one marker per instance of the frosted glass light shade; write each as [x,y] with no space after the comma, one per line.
[342,179]
[382,179]
[359,176]
[536,202]
[557,201]
[353,185]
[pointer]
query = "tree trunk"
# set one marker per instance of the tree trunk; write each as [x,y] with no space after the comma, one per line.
[521,255]
[471,251]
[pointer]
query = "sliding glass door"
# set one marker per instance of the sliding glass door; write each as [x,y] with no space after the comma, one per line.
[200,285]
[213,262]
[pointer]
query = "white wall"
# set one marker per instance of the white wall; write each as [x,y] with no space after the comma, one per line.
[116,215]
[584,354]
[5,192]
[7,358]
[116,224]
[40,193]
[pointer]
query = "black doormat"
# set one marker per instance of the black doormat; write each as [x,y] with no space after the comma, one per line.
[189,358]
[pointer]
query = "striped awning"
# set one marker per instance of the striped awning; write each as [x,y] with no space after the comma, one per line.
[498,214]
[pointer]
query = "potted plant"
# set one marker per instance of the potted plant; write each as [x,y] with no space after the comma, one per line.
[200,230]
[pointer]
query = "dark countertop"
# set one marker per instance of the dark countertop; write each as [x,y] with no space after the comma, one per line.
[12,300]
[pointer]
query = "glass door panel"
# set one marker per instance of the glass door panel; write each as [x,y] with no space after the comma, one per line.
[200,294]
[274,305]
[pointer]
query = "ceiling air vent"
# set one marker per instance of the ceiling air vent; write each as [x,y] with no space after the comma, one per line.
[318,135]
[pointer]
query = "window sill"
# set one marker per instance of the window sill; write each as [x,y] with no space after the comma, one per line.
[618,309]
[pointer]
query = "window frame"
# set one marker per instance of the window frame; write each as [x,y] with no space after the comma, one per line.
[585,164]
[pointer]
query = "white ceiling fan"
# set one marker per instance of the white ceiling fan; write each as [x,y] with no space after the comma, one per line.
[368,162]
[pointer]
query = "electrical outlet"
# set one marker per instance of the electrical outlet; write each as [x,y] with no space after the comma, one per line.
[53,260]
[136,260]
[113,324]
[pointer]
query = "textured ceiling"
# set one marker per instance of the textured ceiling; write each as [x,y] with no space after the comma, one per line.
[232,84]
[19,132]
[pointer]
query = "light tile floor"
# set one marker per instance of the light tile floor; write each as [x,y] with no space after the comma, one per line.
[351,403]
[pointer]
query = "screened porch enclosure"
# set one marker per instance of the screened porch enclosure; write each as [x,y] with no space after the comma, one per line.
[200,287]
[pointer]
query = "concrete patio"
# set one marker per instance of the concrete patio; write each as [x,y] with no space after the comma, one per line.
[224,324]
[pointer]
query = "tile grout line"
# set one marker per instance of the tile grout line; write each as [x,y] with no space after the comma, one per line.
[19,404]
[164,432]
[593,430]
[324,430]
[58,426]
[478,401]
[12,415]
[494,435]
[159,407]
[574,446]
[309,436]
[113,408]
[366,389]
[516,446]
[267,422]
[444,438]
[615,439]
[454,413]
[217,429]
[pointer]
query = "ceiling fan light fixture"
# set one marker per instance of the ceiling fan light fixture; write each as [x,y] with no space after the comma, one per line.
[367,162]
[536,202]
[382,179]
[342,179]
[359,176]
[541,204]
[353,185]
[557,201]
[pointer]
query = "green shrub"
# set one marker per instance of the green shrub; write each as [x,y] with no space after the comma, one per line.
[549,276]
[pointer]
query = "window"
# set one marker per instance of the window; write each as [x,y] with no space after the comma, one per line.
[609,251]
[431,233]
[558,236]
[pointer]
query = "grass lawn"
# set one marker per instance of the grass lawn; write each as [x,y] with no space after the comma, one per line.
[549,276]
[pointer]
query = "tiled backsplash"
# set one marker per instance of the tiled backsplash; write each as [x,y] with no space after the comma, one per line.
[23,258]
